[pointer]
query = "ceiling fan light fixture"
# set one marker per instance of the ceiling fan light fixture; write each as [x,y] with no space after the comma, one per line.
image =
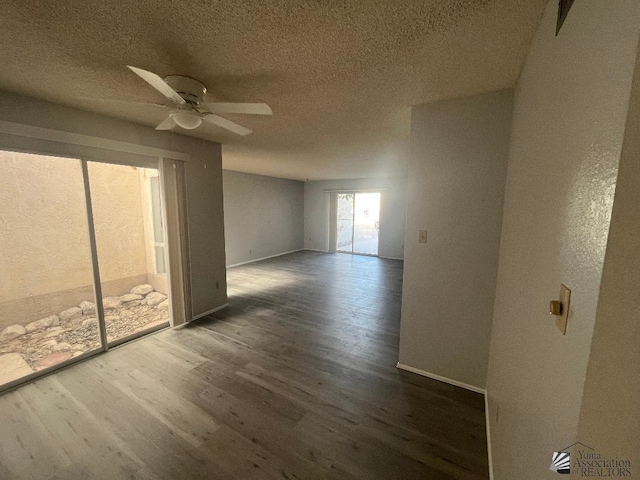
[190,109]
[187,120]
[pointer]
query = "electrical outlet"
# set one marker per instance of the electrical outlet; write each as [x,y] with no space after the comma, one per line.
[422,238]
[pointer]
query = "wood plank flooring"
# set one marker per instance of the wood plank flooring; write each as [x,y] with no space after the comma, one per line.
[295,380]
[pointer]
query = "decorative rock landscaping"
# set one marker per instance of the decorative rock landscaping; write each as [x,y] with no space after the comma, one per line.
[50,321]
[12,332]
[74,331]
[142,290]
[154,298]
[70,313]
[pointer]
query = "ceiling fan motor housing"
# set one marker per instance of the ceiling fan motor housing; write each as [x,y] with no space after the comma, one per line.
[190,89]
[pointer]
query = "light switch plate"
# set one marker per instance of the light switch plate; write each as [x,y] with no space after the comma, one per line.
[565,301]
[422,238]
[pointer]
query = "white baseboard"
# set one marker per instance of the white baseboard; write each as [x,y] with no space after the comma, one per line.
[265,258]
[209,312]
[468,387]
[441,379]
[315,250]
[391,258]
[486,420]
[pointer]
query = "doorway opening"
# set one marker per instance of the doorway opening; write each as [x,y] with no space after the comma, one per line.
[84,259]
[358,222]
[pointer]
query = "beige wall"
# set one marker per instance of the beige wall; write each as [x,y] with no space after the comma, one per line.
[610,412]
[203,178]
[45,244]
[570,109]
[119,222]
[457,174]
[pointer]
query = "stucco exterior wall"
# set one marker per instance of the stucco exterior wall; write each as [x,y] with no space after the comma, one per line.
[117,215]
[44,231]
[45,260]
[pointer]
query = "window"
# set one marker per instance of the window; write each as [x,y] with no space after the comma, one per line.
[158,225]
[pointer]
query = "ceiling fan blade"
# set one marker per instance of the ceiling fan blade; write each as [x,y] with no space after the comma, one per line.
[158,83]
[167,124]
[228,124]
[116,101]
[246,108]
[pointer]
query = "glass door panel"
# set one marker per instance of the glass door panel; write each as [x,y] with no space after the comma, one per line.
[366,223]
[130,239]
[344,242]
[47,301]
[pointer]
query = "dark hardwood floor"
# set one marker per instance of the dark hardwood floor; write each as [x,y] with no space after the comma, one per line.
[295,380]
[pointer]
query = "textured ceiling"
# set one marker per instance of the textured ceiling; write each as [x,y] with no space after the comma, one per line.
[340,76]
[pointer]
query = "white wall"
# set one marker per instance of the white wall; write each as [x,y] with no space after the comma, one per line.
[203,179]
[457,173]
[263,216]
[570,109]
[392,212]
[610,411]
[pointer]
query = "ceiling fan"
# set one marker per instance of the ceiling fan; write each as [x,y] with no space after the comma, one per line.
[190,109]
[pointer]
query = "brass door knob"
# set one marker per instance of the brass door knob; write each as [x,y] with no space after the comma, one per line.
[555,308]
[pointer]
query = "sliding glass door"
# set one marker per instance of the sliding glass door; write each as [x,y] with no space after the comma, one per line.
[344,241]
[82,260]
[358,222]
[47,299]
[127,217]
[366,223]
